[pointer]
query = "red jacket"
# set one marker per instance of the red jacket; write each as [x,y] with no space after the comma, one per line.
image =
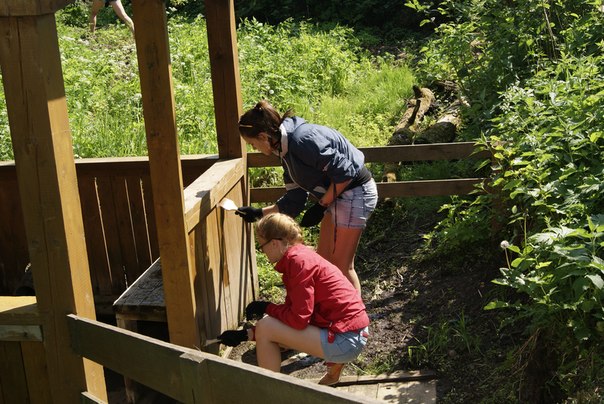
[317,293]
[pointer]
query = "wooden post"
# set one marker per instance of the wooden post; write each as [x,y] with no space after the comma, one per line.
[226,86]
[37,111]
[166,176]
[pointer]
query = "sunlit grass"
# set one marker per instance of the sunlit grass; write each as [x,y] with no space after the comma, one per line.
[321,74]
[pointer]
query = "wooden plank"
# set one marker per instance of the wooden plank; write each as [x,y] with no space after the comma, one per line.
[20,333]
[423,392]
[365,390]
[257,385]
[34,362]
[121,201]
[14,255]
[19,319]
[459,186]
[112,236]
[138,357]
[95,236]
[37,110]
[12,374]
[16,8]
[88,398]
[210,188]
[239,254]
[165,167]
[383,154]
[181,373]
[209,274]
[220,286]
[150,215]
[195,163]
[144,299]
[397,376]
[19,310]
[226,86]
[139,228]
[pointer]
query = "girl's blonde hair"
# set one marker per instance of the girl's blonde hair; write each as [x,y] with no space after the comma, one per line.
[279,226]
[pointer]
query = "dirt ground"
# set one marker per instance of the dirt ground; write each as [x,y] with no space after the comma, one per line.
[420,308]
[425,314]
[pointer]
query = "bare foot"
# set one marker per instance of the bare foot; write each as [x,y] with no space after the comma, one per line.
[333,374]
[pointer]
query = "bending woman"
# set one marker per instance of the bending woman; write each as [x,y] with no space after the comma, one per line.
[319,161]
[323,315]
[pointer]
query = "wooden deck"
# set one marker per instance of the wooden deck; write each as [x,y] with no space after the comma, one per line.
[396,387]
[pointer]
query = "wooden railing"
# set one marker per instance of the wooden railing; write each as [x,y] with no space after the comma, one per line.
[191,376]
[119,223]
[116,199]
[394,154]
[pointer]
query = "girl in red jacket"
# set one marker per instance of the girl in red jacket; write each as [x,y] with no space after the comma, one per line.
[323,314]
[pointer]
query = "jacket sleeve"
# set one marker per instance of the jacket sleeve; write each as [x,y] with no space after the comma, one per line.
[299,304]
[294,200]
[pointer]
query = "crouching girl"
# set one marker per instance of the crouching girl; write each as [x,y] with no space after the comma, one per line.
[323,314]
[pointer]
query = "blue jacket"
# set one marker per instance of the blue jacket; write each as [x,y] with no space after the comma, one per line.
[313,156]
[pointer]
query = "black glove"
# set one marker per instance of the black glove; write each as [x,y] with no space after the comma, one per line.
[256,309]
[313,215]
[249,213]
[233,337]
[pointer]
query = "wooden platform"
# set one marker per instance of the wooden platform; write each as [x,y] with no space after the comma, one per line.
[144,299]
[397,387]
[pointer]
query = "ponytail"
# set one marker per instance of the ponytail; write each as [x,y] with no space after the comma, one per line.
[262,118]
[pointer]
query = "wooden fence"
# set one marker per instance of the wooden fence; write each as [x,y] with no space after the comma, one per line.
[395,154]
[119,222]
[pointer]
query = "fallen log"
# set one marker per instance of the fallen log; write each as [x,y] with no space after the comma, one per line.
[408,131]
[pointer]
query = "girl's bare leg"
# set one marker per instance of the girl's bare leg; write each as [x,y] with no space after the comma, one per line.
[271,333]
[334,370]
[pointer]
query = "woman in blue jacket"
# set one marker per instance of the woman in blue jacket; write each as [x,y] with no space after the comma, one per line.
[317,161]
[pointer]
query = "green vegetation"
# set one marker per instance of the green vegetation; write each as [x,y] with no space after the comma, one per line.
[319,74]
[532,73]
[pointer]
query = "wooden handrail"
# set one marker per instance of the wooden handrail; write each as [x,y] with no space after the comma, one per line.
[206,191]
[191,376]
[20,319]
[390,154]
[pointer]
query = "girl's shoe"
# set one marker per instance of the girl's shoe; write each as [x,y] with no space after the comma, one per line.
[332,376]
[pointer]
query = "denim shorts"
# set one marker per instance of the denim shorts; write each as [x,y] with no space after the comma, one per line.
[354,206]
[346,345]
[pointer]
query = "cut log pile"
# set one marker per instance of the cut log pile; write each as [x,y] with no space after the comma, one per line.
[426,121]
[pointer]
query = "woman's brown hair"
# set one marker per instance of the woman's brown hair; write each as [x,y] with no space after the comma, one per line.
[262,118]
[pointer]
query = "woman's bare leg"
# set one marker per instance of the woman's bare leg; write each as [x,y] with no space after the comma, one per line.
[271,333]
[342,254]
[118,8]
[94,10]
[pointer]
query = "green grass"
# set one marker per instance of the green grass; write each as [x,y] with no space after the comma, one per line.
[322,75]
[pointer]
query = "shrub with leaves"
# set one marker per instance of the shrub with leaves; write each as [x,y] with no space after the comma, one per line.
[562,271]
[533,72]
